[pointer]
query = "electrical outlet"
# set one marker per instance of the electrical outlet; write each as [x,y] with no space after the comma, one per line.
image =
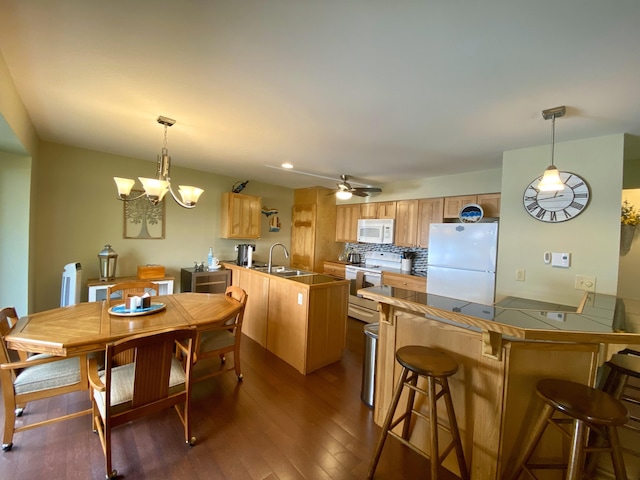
[520,274]
[586,283]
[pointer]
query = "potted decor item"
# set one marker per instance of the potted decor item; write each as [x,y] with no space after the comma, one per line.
[629,219]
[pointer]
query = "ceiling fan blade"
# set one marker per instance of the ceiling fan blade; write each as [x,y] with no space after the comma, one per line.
[369,189]
[358,193]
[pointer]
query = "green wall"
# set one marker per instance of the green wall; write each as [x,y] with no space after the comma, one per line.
[78,213]
[592,238]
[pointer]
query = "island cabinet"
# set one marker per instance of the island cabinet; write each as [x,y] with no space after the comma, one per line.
[502,352]
[239,216]
[307,326]
[254,324]
[347,222]
[303,320]
[313,224]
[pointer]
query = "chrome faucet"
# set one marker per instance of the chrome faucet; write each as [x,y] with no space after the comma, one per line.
[286,254]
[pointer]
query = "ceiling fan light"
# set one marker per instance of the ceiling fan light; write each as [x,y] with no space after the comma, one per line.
[343,195]
[551,181]
[189,194]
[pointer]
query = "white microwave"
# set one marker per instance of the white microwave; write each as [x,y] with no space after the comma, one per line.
[378,230]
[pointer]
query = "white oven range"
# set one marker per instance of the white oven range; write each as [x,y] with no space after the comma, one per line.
[369,274]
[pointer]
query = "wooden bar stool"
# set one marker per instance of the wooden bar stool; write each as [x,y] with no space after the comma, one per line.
[435,366]
[617,385]
[587,408]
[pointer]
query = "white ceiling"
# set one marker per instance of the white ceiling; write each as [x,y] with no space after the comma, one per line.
[378,89]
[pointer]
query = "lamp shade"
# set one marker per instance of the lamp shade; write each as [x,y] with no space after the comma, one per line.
[189,194]
[343,195]
[551,181]
[124,186]
[154,188]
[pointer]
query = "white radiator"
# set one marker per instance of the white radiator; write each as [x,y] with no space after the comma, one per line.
[70,291]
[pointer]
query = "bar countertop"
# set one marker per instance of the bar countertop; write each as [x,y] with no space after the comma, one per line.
[598,319]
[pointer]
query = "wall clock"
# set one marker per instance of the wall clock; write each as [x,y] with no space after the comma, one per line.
[555,207]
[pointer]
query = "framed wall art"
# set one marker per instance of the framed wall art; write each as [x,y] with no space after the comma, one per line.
[142,219]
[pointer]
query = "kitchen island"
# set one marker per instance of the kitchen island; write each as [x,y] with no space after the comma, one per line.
[502,352]
[299,316]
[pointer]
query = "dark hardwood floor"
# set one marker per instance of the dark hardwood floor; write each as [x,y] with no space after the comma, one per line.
[275,425]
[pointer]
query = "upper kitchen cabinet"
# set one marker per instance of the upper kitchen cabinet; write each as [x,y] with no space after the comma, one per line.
[240,216]
[452,205]
[347,222]
[378,210]
[430,210]
[406,225]
[490,203]
[313,226]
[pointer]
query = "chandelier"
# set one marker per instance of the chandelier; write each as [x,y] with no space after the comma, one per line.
[156,188]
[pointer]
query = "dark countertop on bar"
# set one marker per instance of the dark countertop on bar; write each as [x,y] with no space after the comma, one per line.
[599,318]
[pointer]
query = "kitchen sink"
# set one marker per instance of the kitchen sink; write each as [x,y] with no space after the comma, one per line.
[282,271]
[291,273]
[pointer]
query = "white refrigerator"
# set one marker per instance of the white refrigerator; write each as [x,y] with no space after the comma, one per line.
[462,261]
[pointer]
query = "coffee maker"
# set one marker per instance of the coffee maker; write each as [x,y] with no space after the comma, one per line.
[243,253]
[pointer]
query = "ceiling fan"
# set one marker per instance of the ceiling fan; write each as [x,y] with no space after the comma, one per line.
[345,190]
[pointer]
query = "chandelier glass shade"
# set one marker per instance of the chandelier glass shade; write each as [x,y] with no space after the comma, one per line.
[156,188]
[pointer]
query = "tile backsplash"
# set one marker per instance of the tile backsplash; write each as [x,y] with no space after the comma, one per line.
[419,262]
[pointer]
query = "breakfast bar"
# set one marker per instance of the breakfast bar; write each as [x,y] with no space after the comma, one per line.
[502,350]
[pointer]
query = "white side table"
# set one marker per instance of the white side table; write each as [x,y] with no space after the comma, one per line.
[98,289]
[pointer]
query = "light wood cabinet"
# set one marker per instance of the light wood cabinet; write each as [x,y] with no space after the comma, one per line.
[240,216]
[256,285]
[312,229]
[452,205]
[430,210]
[408,282]
[347,222]
[335,269]
[406,225]
[378,210]
[490,203]
[307,325]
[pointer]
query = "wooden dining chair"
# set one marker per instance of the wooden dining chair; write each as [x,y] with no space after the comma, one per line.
[155,381]
[129,288]
[218,339]
[133,288]
[37,377]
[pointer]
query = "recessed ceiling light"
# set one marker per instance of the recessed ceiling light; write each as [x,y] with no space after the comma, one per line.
[287,165]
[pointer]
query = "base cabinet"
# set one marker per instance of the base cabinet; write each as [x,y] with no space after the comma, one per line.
[204,282]
[305,325]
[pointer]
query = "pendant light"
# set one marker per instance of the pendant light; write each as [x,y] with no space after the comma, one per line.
[551,181]
[156,188]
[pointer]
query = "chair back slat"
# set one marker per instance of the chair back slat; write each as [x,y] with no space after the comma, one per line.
[152,357]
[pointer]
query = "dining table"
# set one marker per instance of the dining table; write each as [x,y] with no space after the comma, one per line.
[90,326]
